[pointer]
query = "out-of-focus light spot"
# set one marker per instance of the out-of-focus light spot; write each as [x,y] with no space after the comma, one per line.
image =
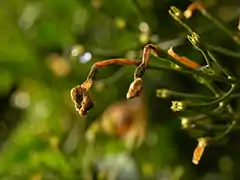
[42,109]
[239,24]
[226,164]
[59,66]
[143,38]
[80,22]
[148,169]
[54,141]
[152,138]
[77,50]
[131,54]
[154,38]
[29,15]
[87,56]
[36,176]
[120,23]
[99,86]
[21,100]
[96,3]
[143,27]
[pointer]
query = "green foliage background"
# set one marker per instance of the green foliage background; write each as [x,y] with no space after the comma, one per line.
[41,135]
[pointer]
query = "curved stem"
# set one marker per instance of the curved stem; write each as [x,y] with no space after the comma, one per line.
[217,100]
[234,37]
[222,50]
[227,131]
[224,70]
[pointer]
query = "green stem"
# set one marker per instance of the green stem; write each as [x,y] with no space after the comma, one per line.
[233,87]
[224,70]
[234,37]
[222,50]
[179,17]
[227,131]
[181,95]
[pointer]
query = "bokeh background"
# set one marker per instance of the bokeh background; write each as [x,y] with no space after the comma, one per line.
[47,47]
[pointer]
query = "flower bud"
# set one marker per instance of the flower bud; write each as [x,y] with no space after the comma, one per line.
[185,122]
[178,106]
[163,93]
[135,88]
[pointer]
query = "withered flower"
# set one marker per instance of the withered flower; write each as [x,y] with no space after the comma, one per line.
[135,88]
[198,152]
[196,5]
[81,99]
[184,60]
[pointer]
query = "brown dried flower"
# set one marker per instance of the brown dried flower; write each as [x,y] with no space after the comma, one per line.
[135,88]
[198,152]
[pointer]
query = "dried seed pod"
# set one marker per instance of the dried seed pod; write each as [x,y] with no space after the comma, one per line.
[77,96]
[86,103]
[198,152]
[83,102]
[135,88]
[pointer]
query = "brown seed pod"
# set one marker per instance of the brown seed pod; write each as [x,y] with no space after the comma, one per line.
[77,96]
[83,102]
[135,88]
[86,103]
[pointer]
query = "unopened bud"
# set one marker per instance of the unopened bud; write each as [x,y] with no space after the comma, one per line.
[135,88]
[188,13]
[163,93]
[194,39]
[176,13]
[196,5]
[178,106]
[198,152]
[185,122]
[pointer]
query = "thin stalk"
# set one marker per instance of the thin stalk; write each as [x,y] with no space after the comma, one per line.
[182,95]
[233,87]
[234,37]
[224,51]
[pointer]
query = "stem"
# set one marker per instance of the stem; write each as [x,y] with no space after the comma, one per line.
[227,131]
[234,37]
[222,50]
[182,95]
[179,17]
[217,100]
[224,70]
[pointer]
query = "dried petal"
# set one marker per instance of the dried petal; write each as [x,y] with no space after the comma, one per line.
[198,152]
[83,102]
[135,88]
